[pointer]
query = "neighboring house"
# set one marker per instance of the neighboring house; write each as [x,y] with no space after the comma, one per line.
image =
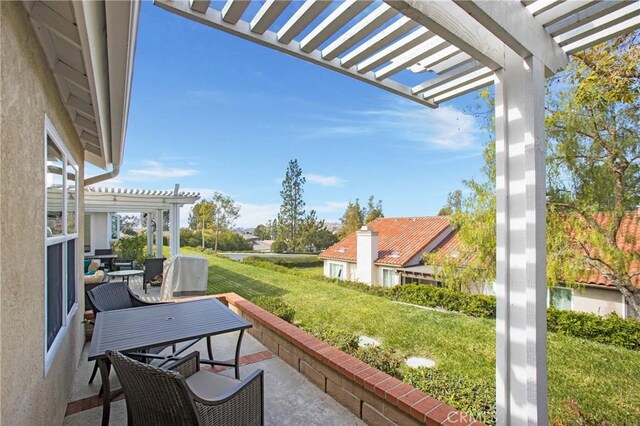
[597,294]
[65,84]
[379,252]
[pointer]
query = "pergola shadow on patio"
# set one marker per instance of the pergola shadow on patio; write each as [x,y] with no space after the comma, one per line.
[462,46]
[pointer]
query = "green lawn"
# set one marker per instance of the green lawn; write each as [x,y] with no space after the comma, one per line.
[602,379]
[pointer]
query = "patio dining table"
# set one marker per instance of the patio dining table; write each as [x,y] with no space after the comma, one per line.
[134,330]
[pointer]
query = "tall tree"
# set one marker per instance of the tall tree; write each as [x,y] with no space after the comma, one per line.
[373,210]
[352,219]
[201,217]
[262,232]
[292,209]
[593,131]
[225,213]
[454,203]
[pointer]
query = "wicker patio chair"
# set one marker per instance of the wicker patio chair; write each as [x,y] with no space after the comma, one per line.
[184,395]
[152,268]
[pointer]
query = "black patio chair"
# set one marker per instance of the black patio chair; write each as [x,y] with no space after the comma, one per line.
[184,395]
[152,268]
[103,252]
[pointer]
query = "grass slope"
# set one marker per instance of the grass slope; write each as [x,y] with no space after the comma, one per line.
[601,378]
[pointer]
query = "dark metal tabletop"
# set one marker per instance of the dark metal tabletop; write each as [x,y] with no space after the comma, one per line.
[160,325]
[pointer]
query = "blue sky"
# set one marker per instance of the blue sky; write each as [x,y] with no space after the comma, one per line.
[213,112]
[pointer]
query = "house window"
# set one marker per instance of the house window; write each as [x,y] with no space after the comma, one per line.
[388,277]
[560,298]
[629,311]
[61,235]
[335,270]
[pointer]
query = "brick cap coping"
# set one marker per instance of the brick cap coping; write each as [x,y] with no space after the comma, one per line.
[406,398]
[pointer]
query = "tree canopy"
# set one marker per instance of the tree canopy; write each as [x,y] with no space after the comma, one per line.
[292,208]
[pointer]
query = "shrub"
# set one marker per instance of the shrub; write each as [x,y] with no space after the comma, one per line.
[256,261]
[426,295]
[611,329]
[131,248]
[289,261]
[384,359]
[476,398]
[342,339]
[276,306]
[279,246]
[227,240]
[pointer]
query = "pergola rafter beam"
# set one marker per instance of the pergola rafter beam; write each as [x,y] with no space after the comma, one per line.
[377,42]
[360,30]
[453,24]
[446,77]
[401,46]
[336,20]
[513,24]
[605,34]
[463,90]
[212,18]
[233,10]
[415,55]
[268,14]
[563,10]
[452,84]
[585,16]
[309,11]
[199,5]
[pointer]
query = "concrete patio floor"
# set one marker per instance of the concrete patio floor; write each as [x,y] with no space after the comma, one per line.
[290,399]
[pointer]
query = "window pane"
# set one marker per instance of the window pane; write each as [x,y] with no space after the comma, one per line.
[561,298]
[72,201]
[55,167]
[335,270]
[54,292]
[71,274]
[115,226]
[87,233]
[387,277]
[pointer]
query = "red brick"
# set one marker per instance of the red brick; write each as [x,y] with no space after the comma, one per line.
[361,376]
[408,400]
[343,367]
[355,368]
[396,393]
[439,414]
[371,381]
[338,360]
[382,387]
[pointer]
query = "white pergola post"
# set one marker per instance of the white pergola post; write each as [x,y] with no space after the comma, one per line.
[174,229]
[159,222]
[521,357]
[149,235]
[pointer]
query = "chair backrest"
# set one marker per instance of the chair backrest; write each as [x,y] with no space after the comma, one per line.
[110,297]
[154,396]
[153,267]
[102,252]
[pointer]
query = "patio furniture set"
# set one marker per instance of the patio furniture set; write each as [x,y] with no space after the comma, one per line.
[162,386]
[113,267]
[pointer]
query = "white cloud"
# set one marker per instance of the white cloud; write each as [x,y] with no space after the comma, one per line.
[324,180]
[255,214]
[329,207]
[156,170]
[445,127]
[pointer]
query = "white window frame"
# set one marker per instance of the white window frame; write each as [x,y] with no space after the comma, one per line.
[110,220]
[393,284]
[67,315]
[567,288]
[92,232]
[342,268]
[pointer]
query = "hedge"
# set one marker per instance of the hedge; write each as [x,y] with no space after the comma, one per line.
[288,261]
[475,305]
[611,329]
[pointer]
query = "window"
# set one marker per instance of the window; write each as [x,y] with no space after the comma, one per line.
[388,277]
[61,235]
[560,298]
[335,270]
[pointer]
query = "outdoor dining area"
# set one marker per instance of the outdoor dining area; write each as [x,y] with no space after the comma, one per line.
[185,361]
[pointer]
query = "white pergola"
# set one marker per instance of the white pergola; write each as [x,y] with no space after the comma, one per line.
[460,46]
[107,200]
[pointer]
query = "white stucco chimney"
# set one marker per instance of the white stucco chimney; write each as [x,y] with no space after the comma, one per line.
[367,253]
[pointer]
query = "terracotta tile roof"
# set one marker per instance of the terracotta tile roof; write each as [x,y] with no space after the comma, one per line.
[628,239]
[400,239]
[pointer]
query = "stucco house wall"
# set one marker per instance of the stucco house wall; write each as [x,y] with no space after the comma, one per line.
[29,92]
[600,301]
